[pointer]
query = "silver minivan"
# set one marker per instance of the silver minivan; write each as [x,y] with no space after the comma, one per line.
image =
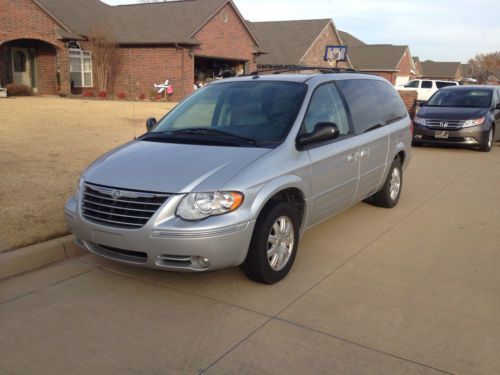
[236,173]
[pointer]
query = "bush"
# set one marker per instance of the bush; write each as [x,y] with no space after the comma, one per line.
[88,94]
[18,90]
[102,94]
[121,95]
[142,97]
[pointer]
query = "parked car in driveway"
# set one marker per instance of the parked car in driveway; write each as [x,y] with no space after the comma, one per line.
[236,173]
[425,88]
[465,115]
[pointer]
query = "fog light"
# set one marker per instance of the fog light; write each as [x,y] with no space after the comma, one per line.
[204,262]
[417,136]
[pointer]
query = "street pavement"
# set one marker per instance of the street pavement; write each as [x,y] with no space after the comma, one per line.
[410,290]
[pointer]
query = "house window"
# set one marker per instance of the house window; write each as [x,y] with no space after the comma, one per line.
[80,67]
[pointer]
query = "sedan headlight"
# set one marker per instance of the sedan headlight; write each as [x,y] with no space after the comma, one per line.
[197,206]
[419,120]
[475,122]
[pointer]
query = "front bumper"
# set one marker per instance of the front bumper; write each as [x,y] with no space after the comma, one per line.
[472,136]
[166,242]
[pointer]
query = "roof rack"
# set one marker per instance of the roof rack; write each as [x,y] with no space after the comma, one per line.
[292,68]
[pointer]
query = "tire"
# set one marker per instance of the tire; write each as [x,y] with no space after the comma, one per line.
[388,196]
[258,265]
[487,143]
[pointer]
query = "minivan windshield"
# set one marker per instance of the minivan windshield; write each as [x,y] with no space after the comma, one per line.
[475,98]
[241,113]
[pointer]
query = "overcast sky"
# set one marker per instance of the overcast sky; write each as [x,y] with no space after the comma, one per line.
[443,30]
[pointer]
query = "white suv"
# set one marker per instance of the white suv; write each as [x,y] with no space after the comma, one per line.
[426,87]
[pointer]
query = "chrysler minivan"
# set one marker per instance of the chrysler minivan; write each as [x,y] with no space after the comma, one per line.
[236,173]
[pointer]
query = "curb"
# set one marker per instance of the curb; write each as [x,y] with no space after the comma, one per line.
[35,256]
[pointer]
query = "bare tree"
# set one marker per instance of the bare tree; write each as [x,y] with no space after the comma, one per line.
[485,64]
[104,55]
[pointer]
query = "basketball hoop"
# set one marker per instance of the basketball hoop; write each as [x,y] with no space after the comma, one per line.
[334,54]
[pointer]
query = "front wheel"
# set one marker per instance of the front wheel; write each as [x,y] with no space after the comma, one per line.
[486,145]
[389,195]
[274,244]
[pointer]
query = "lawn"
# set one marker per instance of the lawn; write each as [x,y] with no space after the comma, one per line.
[45,143]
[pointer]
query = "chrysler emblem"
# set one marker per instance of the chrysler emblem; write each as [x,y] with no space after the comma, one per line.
[443,124]
[116,194]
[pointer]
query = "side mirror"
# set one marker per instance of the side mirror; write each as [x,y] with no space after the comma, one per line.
[323,131]
[150,122]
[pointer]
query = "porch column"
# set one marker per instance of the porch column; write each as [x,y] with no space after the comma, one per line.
[63,64]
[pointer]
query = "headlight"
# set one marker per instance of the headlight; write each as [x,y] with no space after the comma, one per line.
[197,206]
[478,121]
[419,120]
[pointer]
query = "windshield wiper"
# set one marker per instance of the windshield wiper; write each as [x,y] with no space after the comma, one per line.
[214,132]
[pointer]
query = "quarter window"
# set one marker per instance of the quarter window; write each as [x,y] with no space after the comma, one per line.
[364,105]
[80,67]
[326,106]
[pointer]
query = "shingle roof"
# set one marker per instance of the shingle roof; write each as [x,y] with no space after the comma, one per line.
[155,23]
[286,42]
[374,57]
[439,69]
[349,40]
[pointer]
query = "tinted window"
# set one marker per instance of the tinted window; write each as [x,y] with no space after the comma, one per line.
[394,108]
[426,84]
[461,98]
[363,103]
[442,84]
[413,84]
[326,106]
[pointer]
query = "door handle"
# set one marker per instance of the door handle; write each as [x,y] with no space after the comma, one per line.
[365,153]
[352,157]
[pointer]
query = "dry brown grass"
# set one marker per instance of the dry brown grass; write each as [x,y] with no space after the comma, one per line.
[45,143]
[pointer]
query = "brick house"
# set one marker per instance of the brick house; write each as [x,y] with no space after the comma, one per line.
[44,44]
[446,70]
[391,62]
[293,43]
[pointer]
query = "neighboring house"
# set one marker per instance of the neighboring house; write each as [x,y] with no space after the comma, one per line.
[292,43]
[43,43]
[394,63]
[418,67]
[441,70]
[350,40]
[466,70]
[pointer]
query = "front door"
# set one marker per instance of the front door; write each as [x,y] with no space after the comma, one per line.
[21,67]
[334,165]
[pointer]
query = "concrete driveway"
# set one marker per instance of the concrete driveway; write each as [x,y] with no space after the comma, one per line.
[412,290]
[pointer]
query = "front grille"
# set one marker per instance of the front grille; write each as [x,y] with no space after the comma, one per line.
[119,207]
[121,254]
[444,124]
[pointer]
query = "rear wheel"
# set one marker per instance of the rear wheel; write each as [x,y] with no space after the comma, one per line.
[389,195]
[274,244]
[487,143]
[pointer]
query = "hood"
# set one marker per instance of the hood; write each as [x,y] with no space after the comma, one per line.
[170,167]
[451,113]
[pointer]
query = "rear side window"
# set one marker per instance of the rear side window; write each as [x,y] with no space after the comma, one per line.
[363,103]
[426,85]
[394,108]
[442,84]
[326,106]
